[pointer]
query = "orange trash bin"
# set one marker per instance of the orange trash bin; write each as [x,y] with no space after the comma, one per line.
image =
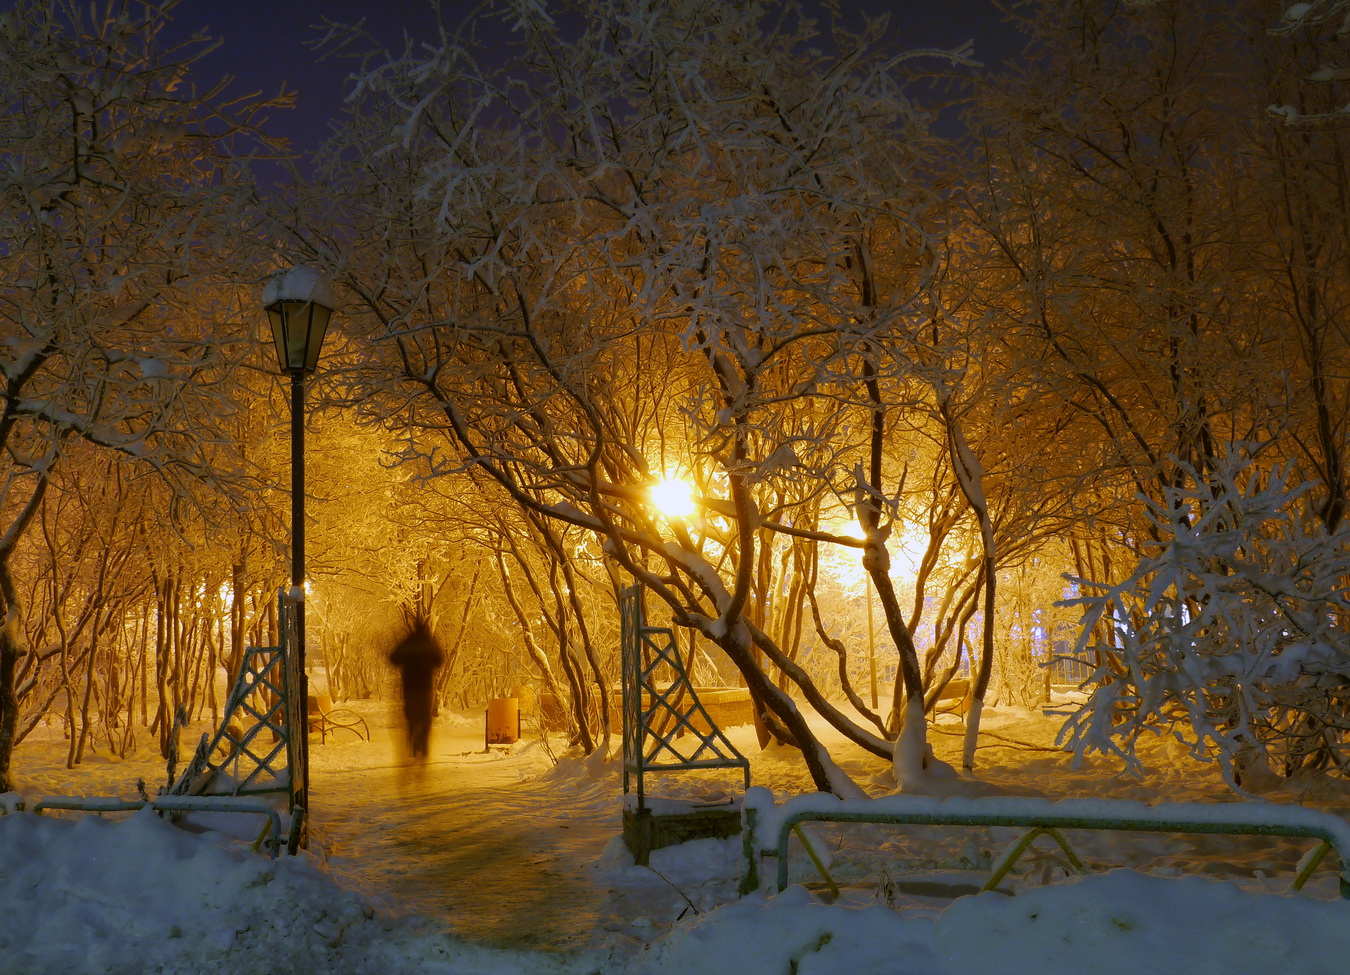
[503,721]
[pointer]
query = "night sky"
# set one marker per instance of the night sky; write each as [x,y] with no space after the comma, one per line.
[266,42]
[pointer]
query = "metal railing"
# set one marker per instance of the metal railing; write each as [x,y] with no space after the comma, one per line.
[1044,816]
[178,805]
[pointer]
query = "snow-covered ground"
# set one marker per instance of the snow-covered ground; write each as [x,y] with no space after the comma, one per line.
[509,861]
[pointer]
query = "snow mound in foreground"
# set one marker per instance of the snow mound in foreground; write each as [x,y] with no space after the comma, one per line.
[96,896]
[1117,923]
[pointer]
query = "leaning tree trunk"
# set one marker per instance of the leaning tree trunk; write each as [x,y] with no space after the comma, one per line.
[970,474]
[10,647]
[9,698]
[736,641]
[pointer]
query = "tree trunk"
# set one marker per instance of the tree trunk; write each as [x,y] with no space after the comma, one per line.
[970,475]
[979,684]
[88,696]
[9,699]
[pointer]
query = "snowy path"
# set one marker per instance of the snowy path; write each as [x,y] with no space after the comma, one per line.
[504,850]
[425,831]
[510,853]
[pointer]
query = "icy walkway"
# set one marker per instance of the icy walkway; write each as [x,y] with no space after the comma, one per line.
[509,851]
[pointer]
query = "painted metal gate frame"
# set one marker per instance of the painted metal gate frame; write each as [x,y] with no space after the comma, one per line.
[656,716]
[258,740]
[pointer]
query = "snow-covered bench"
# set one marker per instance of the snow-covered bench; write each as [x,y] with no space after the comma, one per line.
[176,804]
[773,822]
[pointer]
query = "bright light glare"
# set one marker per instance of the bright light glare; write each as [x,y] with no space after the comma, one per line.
[908,556]
[853,530]
[675,499]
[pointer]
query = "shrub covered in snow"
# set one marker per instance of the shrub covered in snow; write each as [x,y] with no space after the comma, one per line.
[1230,632]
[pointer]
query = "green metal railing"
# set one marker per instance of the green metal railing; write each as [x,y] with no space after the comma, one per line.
[1048,817]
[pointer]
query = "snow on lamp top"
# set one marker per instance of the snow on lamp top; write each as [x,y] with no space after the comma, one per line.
[299,284]
[299,303]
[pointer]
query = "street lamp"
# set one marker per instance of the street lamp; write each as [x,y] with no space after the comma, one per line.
[299,303]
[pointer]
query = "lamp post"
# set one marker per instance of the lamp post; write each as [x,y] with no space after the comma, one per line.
[299,304]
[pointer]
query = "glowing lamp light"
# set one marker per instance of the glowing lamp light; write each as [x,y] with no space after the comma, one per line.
[675,499]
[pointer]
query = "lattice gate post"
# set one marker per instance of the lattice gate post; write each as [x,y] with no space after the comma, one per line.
[630,625]
[265,724]
[667,729]
[297,721]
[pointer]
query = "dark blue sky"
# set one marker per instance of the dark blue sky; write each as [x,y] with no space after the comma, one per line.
[265,42]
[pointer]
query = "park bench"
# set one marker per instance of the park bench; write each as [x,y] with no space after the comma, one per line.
[775,823]
[325,720]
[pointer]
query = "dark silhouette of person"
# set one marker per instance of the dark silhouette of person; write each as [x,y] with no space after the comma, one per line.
[418,656]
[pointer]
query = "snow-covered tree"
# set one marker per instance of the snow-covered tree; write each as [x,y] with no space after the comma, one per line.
[1297,175]
[646,242]
[1109,202]
[1230,632]
[1318,64]
[1175,260]
[117,226]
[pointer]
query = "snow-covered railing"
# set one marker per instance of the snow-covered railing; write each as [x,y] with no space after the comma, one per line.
[764,818]
[175,804]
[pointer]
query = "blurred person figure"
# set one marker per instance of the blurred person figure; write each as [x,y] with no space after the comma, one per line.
[418,656]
